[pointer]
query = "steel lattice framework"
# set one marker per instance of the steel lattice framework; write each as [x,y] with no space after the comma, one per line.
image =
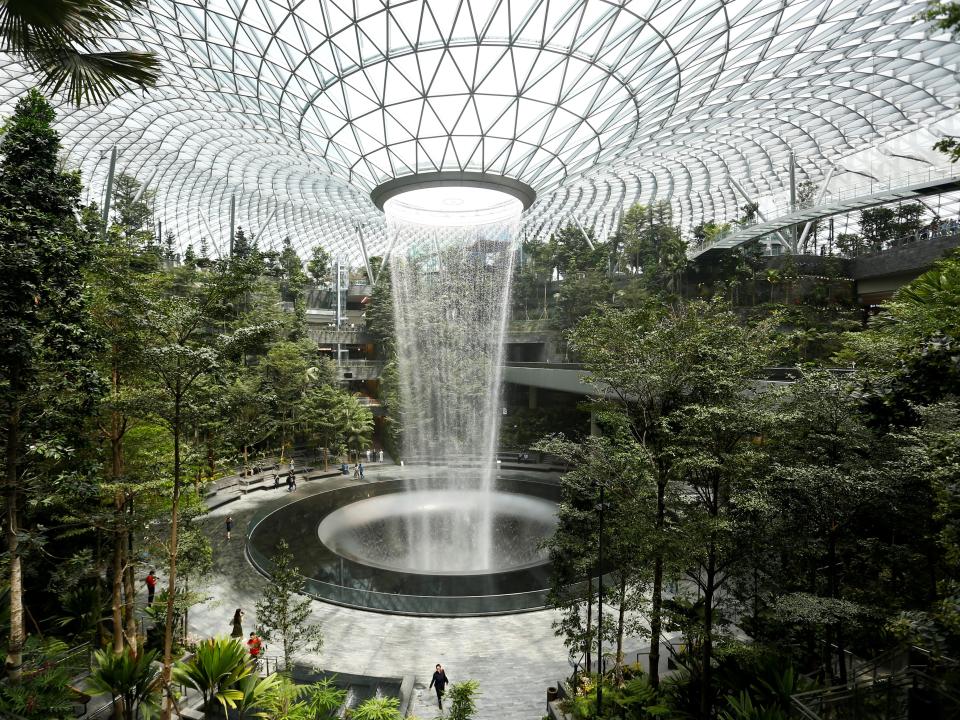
[298,108]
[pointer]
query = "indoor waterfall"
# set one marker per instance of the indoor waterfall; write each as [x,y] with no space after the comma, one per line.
[451,291]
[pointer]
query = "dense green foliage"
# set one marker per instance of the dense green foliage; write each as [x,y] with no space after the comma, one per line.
[128,382]
[819,518]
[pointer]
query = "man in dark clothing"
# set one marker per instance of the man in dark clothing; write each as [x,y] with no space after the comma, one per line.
[439,681]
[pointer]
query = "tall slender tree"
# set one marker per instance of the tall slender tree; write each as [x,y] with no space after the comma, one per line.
[45,346]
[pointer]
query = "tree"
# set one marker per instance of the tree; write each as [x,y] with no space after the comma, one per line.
[292,280]
[286,373]
[117,278]
[251,410]
[243,247]
[319,264]
[128,679]
[573,547]
[839,490]
[46,381]
[463,700]
[132,206]
[850,244]
[878,226]
[64,43]
[282,615]
[357,424]
[652,246]
[663,367]
[215,670]
[568,251]
[181,353]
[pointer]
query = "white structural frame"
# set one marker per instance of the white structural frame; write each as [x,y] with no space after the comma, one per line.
[299,108]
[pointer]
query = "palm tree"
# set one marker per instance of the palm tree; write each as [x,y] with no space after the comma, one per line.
[357,425]
[62,41]
[131,681]
[215,671]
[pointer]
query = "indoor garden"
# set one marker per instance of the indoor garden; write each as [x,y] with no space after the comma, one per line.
[543,359]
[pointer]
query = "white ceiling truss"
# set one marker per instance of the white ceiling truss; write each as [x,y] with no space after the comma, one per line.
[301,107]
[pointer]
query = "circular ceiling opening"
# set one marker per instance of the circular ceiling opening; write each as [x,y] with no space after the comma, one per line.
[453,206]
[453,198]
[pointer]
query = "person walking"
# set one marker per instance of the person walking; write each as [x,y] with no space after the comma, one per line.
[256,645]
[228,523]
[151,581]
[360,468]
[439,681]
[356,471]
[276,480]
[380,456]
[237,624]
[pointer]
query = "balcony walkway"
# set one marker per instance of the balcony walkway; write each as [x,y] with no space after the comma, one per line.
[903,187]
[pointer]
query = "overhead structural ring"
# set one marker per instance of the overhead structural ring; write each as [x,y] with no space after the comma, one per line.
[521,191]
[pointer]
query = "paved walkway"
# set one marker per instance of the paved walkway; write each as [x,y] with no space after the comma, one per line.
[513,657]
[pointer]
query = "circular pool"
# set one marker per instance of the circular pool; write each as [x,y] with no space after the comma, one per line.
[419,548]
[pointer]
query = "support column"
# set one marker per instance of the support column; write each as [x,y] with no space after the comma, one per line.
[793,201]
[338,318]
[532,397]
[366,258]
[109,192]
[594,428]
[233,217]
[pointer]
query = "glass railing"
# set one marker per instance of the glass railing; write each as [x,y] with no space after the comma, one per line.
[344,593]
[346,582]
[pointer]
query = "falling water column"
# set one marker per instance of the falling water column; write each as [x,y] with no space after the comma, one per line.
[451,287]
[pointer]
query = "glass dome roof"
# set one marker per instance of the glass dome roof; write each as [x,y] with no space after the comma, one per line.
[299,108]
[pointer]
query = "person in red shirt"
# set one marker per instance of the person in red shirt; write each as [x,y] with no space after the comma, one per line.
[256,645]
[151,581]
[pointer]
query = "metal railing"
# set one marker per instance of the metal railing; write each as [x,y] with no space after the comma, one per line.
[782,208]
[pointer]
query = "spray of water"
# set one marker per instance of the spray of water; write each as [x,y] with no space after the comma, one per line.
[451,291]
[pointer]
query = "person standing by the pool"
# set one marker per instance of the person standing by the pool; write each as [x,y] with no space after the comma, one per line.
[360,468]
[237,624]
[439,681]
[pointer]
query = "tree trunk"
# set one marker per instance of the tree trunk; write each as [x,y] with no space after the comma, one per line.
[172,581]
[656,605]
[116,595]
[620,618]
[706,695]
[589,641]
[119,511]
[834,595]
[130,592]
[17,635]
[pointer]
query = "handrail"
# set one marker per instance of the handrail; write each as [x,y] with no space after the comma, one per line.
[865,191]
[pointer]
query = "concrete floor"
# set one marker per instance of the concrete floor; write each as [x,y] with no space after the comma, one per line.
[513,657]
